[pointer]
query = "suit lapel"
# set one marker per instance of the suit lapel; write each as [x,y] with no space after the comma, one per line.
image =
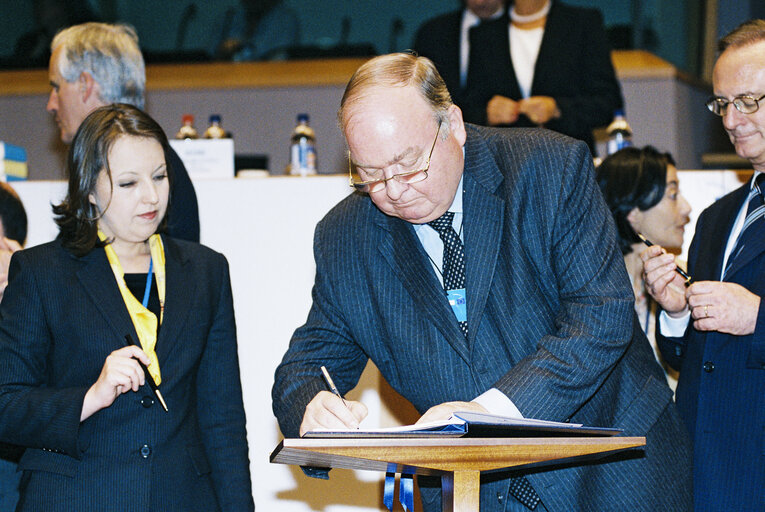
[409,261]
[98,280]
[180,292]
[751,250]
[483,220]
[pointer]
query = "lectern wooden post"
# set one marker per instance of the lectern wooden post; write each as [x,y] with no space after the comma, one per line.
[459,461]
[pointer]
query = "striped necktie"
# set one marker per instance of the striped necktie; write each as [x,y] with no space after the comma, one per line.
[754,225]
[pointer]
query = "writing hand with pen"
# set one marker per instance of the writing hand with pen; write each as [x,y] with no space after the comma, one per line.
[713,305]
[328,409]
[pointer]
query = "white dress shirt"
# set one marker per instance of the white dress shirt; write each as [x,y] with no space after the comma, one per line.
[675,327]
[493,400]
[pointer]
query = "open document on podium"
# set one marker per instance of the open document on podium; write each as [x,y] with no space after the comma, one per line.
[471,424]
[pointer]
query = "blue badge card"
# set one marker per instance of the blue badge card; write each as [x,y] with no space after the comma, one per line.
[458,302]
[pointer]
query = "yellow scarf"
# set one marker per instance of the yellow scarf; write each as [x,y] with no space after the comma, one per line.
[144,321]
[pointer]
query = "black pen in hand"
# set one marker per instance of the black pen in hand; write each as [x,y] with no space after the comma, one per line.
[688,279]
[149,378]
[331,384]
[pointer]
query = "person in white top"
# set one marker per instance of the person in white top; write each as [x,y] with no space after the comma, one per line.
[548,64]
[445,40]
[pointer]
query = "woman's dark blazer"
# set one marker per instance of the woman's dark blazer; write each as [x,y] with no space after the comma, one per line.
[574,67]
[60,318]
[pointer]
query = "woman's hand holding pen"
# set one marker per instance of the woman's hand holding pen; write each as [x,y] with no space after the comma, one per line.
[328,410]
[663,281]
[121,373]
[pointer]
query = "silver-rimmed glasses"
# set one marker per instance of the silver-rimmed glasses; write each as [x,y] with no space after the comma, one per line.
[745,104]
[408,177]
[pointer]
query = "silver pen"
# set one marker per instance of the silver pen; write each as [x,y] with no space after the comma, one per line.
[331,384]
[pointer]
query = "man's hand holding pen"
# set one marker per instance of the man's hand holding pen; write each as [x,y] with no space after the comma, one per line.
[331,410]
[328,410]
[714,305]
[663,282]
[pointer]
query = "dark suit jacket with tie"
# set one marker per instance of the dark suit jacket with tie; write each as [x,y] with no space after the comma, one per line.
[549,310]
[721,390]
[439,40]
[574,67]
[61,317]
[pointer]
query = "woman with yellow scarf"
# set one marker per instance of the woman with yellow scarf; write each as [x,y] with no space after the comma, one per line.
[118,355]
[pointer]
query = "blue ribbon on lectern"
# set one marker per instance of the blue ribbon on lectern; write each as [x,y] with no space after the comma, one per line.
[405,489]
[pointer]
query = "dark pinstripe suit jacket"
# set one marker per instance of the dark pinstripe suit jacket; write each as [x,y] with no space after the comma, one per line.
[61,317]
[550,310]
[724,405]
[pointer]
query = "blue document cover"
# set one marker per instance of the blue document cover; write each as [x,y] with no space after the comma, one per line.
[470,424]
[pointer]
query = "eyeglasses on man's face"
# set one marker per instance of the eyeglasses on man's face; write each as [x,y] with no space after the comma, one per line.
[358,182]
[745,104]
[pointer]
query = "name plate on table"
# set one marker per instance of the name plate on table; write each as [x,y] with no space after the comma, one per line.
[206,158]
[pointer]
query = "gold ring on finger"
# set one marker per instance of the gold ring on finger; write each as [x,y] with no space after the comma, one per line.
[706,311]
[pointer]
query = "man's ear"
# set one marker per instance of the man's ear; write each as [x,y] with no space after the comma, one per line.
[457,124]
[88,87]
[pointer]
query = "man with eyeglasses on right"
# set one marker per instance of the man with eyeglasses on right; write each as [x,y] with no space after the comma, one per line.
[713,331]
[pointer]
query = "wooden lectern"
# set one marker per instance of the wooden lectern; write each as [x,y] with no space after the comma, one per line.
[459,461]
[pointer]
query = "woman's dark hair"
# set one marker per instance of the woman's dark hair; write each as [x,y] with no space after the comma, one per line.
[12,214]
[76,216]
[632,178]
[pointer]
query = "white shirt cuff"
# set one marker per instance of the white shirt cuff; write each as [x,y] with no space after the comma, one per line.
[496,402]
[673,327]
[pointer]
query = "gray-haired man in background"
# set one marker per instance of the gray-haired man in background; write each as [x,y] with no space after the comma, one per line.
[96,64]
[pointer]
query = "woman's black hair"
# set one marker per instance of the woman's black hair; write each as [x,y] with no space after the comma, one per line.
[76,216]
[632,178]
[12,214]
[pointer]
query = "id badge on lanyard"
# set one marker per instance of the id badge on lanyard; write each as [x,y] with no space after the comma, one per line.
[458,301]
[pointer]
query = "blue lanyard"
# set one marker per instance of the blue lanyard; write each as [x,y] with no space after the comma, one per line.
[148,285]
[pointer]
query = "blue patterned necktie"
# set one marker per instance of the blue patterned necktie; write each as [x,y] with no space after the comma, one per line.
[454,279]
[454,257]
[754,225]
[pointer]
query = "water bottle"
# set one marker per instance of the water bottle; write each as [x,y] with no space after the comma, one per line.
[187,130]
[619,133]
[302,148]
[215,130]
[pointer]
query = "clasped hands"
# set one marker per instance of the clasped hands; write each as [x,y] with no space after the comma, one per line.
[328,411]
[714,305]
[539,109]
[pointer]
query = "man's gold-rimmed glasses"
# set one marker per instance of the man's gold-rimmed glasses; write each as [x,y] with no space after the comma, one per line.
[745,104]
[408,177]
